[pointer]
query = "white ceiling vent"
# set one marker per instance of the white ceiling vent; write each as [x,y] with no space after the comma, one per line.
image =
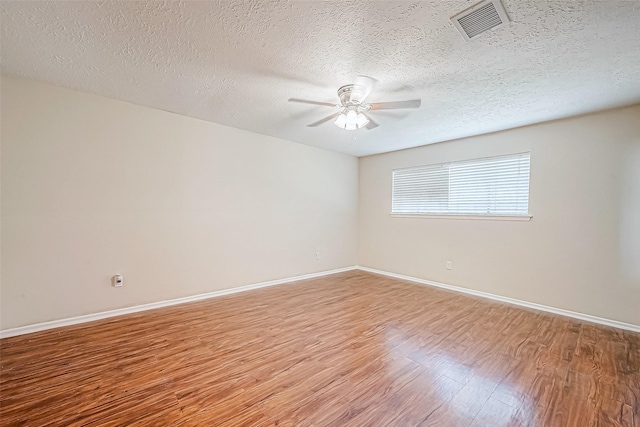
[479,18]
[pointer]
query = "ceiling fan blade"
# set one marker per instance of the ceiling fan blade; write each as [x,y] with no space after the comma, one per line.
[368,83]
[326,119]
[371,124]
[395,105]
[306,101]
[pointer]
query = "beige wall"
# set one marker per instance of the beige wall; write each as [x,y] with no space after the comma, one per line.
[581,250]
[92,187]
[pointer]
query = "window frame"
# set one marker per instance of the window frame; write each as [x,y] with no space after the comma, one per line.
[466,216]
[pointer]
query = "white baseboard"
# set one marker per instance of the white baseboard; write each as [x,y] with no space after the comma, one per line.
[120,311]
[554,310]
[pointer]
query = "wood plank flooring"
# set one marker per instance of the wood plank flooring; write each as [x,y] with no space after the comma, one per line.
[351,349]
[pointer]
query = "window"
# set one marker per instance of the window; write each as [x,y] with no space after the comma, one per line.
[496,186]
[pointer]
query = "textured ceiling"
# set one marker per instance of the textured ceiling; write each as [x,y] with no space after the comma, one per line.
[237,62]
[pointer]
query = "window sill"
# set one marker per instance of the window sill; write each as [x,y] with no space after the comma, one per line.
[472,217]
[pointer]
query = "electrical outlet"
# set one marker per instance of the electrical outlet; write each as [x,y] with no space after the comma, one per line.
[449,265]
[317,256]
[118,281]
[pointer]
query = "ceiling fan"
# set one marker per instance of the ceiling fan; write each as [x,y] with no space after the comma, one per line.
[353,112]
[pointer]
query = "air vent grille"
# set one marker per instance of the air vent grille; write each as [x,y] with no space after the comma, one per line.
[479,18]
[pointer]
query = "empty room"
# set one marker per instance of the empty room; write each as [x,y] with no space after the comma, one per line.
[320,213]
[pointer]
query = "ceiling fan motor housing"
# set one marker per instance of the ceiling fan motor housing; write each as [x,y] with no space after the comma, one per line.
[352,94]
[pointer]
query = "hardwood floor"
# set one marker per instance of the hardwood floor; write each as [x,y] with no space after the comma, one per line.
[352,349]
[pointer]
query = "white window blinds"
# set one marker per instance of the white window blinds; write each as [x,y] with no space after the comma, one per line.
[489,186]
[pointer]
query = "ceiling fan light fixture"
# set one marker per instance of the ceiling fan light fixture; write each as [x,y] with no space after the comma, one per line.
[341,121]
[361,120]
[351,119]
